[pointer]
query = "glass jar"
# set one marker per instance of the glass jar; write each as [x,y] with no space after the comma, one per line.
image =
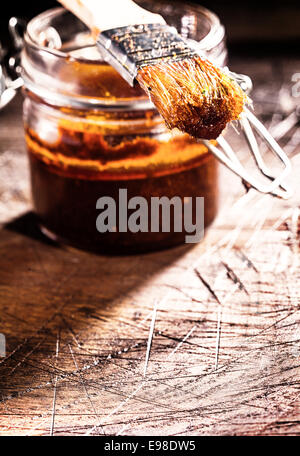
[89,134]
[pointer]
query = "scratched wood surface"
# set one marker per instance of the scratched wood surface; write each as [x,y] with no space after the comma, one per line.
[225,313]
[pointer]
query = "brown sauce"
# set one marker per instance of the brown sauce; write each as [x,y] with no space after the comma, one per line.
[93,155]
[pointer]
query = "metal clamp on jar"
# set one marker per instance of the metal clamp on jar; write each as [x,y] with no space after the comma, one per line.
[10,79]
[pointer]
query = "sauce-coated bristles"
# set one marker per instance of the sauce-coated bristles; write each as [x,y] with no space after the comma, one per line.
[193,95]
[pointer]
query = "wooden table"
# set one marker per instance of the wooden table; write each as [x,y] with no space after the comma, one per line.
[226,316]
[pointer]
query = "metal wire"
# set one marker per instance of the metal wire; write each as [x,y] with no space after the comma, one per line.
[249,122]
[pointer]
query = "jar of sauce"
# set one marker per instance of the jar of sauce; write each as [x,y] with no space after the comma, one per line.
[90,135]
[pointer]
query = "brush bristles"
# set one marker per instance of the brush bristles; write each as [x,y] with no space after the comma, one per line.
[193,95]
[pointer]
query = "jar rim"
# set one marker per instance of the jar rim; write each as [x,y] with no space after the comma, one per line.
[212,39]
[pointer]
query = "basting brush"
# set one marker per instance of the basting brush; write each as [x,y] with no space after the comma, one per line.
[189,92]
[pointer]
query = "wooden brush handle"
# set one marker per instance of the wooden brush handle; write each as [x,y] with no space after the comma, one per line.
[101,15]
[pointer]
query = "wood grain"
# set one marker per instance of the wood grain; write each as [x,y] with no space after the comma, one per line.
[225,351]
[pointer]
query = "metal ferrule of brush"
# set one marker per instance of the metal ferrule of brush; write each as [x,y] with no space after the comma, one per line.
[129,48]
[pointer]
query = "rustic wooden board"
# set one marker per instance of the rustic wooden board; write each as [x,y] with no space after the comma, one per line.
[226,341]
